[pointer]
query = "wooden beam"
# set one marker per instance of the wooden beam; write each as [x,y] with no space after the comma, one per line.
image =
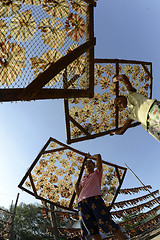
[79,126]
[117,94]
[118,174]
[9,95]
[104,60]
[90,53]
[92,2]
[46,200]
[74,140]
[68,147]
[32,184]
[13,217]
[36,85]
[33,164]
[68,127]
[54,222]
[119,187]
[54,150]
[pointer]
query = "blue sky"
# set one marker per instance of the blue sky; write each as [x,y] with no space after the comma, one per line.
[125,29]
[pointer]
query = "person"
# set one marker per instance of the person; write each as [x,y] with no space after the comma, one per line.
[93,212]
[140,109]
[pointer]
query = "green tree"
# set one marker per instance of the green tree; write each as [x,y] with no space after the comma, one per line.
[142,220]
[127,217]
[29,223]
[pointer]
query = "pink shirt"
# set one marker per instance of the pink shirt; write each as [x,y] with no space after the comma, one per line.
[91,185]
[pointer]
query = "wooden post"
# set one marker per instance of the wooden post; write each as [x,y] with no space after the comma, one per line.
[117,94]
[13,216]
[53,222]
[91,2]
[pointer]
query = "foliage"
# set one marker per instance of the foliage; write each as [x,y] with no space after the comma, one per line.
[141,220]
[127,217]
[3,215]
[29,223]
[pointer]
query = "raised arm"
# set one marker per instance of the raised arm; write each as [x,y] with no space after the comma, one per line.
[78,188]
[98,160]
[125,80]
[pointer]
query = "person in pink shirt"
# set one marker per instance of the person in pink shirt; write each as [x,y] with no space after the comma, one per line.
[94,214]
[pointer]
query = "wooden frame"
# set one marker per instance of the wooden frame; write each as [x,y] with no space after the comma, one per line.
[65,148]
[85,134]
[91,2]
[35,89]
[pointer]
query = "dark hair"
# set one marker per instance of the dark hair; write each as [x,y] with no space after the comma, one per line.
[121,77]
[90,161]
[119,97]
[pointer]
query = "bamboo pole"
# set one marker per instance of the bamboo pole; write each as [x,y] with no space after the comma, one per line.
[53,222]
[143,184]
[13,216]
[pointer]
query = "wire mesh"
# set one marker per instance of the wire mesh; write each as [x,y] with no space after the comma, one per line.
[88,118]
[53,175]
[36,33]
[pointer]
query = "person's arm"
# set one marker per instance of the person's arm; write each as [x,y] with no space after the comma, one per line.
[125,80]
[78,188]
[98,160]
[122,130]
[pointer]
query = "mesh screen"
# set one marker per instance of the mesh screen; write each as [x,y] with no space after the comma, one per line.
[92,117]
[57,169]
[36,33]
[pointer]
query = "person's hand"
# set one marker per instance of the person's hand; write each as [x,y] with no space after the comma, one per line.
[88,155]
[95,156]
[112,133]
[133,89]
[77,185]
[117,132]
[77,189]
[114,79]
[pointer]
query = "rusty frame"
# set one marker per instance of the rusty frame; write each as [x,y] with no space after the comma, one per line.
[35,90]
[87,135]
[63,147]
